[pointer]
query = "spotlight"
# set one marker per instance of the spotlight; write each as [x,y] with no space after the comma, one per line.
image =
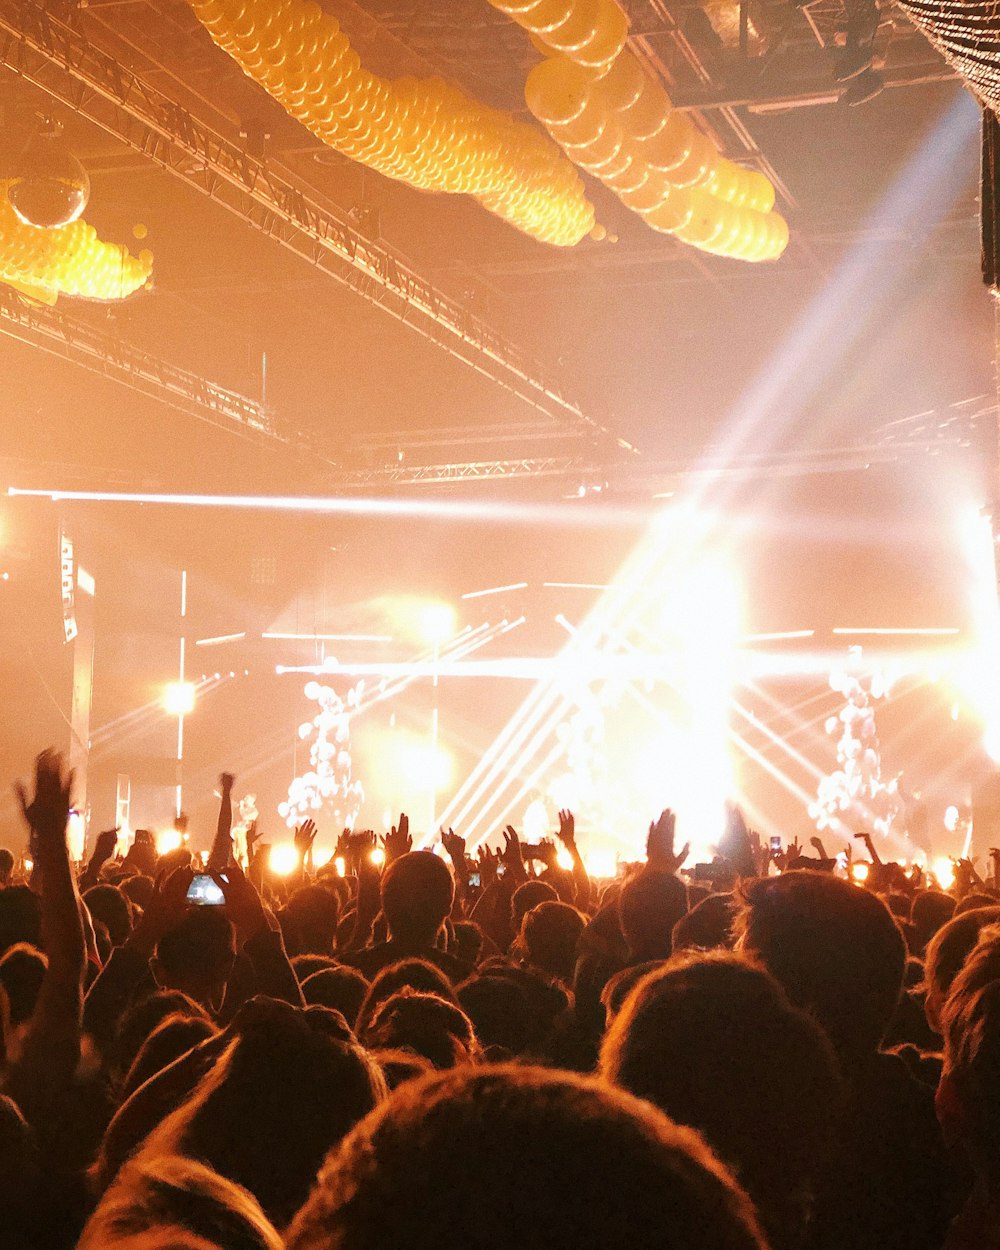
[283,859]
[178,698]
[48,186]
[168,840]
[437,623]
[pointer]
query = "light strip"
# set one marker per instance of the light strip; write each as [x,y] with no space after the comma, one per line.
[328,637]
[219,639]
[899,633]
[494,590]
[508,512]
[574,586]
[787,636]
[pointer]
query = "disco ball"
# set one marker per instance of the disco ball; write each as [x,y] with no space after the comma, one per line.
[48,187]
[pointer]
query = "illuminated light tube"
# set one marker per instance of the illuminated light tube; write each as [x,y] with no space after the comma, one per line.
[494,590]
[328,637]
[786,636]
[948,631]
[574,586]
[469,510]
[219,639]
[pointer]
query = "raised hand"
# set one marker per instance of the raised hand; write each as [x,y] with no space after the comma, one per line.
[546,852]
[226,782]
[104,847]
[660,853]
[510,853]
[47,812]
[398,841]
[453,845]
[567,829]
[489,863]
[243,904]
[165,910]
[305,835]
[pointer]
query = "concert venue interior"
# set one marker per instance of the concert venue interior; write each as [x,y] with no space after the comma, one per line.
[379,489]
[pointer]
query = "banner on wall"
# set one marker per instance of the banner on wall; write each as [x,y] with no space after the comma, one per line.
[67,582]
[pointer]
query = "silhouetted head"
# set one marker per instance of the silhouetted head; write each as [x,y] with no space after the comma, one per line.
[417,974]
[309,920]
[580,1165]
[344,989]
[707,926]
[426,1024]
[399,1066]
[173,1036]
[618,988]
[170,1202]
[931,910]
[549,935]
[6,866]
[20,917]
[834,948]
[714,1042]
[108,904]
[138,889]
[502,1012]
[417,895]
[197,956]
[947,951]
[21,971]
[527,896]
[649,906]
[281,1094]
[142,1017]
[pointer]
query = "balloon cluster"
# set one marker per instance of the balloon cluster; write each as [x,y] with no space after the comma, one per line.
[615,121]
[854,796]
[327,784]
[66,260]
[423,132]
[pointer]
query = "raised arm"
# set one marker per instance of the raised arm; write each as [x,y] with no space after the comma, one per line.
[581,879]
[51,1050]
[222,847]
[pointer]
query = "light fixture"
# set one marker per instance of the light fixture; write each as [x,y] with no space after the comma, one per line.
[46,184]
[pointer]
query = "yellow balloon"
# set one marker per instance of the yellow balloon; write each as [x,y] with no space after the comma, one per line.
[608,40]
[557,91]
[673,213]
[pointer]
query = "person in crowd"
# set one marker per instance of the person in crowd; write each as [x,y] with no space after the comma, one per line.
[839,955]
[520,1156]
[712,1041]
[425,1024]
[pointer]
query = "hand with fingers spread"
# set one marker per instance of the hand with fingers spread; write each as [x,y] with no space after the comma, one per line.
[567,829]
[660,854]
[546,853]
[489,864]
[305,835]
[47,812]
[398,841]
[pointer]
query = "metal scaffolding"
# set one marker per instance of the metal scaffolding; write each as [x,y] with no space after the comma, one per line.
[63,63]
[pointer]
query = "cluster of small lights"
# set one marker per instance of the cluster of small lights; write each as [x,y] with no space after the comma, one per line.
[67,260]
[967,32]
[326,786]
[423,132]
[854,796]
[616,121]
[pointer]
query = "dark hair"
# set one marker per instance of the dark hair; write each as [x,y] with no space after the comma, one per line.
[835,948]
[20,917]
[417,895]
[648,907]
[399,1066]
[528,895]
[501,1011]
[947,951]
[713,1041]
[108,904]
[306,965]
[931,910]
[6,862]
[274,1103]
[309,920]
[142,1018]
[201,948]
[342,988]
[707,926]
[549,934]
[138,889]
[426,1024]
[583,1165]
[173,1036]
[21,971]
[418,974]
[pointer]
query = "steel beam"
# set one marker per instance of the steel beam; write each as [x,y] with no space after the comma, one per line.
[61,61]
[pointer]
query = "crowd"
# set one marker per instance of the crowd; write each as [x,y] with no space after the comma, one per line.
[491,1051]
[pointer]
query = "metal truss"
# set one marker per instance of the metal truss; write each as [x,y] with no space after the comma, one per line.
[61,61]
[469,471]
[102,352]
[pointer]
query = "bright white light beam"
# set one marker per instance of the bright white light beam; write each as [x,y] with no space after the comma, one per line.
[219,639]
[494,590]
[328,637]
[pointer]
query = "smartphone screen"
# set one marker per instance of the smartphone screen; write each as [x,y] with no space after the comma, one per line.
[475,880]
[775,845]
[203,892]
